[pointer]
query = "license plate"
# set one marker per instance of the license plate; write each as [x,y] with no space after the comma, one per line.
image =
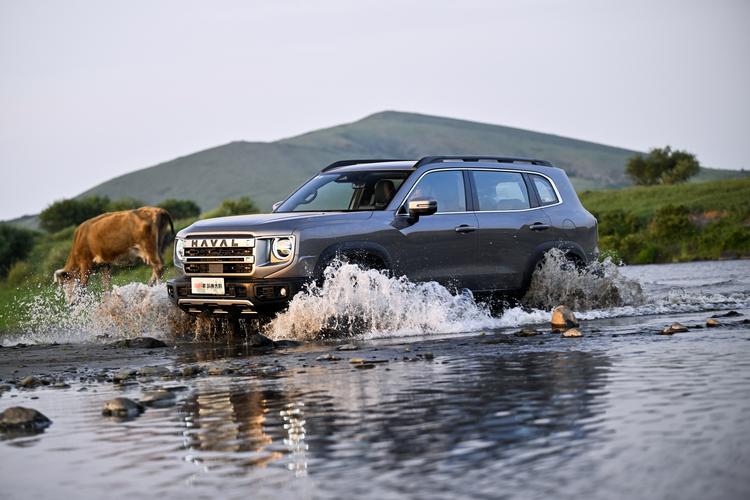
[207,286]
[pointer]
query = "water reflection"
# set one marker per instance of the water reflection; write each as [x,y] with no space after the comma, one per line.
[427,417]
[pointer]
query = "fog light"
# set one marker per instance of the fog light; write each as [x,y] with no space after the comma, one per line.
[282,292]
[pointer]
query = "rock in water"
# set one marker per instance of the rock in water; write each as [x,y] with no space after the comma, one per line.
[140,342]
[121,407]
[674,328]
[572,333]
[258,340]
[526,332]
[20,419]
[159,397]
[712,323]
[563,318]
[347,347]
[153,371]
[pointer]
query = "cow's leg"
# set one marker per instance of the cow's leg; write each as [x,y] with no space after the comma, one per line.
[153,259]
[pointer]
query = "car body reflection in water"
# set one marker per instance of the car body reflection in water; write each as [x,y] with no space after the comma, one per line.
[400,424]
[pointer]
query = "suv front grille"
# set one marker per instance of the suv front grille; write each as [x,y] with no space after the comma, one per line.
[222,260]
[218,252]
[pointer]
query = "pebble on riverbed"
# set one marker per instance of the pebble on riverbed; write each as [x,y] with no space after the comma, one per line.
[122,407]
[153,371]
[526,332]
[572,333]
[563,318]
[20,419]
[159,397]
[674,328]
[140,342]
[327,357]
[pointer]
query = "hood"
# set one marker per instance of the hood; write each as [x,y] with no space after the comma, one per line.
[270,223]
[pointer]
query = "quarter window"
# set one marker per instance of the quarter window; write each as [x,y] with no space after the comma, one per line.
[445,187]
[500,190]
[545,190]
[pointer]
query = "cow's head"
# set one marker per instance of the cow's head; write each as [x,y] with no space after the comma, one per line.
[68,281]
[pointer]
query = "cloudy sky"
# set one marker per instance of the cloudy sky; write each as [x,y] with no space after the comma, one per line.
[94,89]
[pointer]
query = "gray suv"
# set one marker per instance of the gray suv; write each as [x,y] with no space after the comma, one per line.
[481,223]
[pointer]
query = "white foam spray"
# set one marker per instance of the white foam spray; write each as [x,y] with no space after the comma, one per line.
[127,311]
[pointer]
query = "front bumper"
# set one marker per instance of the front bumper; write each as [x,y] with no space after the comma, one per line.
[242,295]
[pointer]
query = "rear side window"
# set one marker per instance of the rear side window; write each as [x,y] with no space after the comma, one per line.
[500,190]
[445,187]
[545,190]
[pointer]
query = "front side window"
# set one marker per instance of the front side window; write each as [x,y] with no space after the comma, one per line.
[500,190]
[545,190]
[445,187]
[345,192]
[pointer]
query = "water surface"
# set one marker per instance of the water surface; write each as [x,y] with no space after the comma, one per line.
[621,413]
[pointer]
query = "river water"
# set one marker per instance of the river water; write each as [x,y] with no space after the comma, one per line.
[446,412]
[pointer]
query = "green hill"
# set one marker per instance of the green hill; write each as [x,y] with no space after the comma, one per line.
[269,171]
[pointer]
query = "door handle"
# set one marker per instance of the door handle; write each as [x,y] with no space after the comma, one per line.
[465,228]
[538,226]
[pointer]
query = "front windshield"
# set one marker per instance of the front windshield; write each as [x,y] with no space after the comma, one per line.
[345,192]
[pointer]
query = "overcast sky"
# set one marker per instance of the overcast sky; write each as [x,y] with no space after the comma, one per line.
[93,89]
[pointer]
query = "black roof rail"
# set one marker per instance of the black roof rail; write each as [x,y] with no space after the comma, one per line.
[346,163]
[501,159]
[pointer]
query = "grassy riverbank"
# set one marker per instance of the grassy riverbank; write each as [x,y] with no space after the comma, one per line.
[677,223]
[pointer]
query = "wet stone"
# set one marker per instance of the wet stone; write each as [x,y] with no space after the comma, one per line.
[20,419]
[220,370]
[712,323]
[674,328]
[153,371]
[140,343]
[258,340]
[563,318]
[730,314]
[572,333]
[347,347]
[190,371]
[119,377]
[526,332]
[122,407]
[29,382]
[364,366]
[159,397]
[327,357]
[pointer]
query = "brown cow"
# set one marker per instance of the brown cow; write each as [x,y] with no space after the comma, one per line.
[116,238]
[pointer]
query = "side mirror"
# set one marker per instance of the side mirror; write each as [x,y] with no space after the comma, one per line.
[421,207]
[276,205]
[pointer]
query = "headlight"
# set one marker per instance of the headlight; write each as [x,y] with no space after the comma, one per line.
[282,248]
[179,250]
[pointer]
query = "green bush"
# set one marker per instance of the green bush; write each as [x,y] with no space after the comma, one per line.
[662,166]
[15,245]
[239,206]
[66,213]
[181,209]
[672,223]
[19,273]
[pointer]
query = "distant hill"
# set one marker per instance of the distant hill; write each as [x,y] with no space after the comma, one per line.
[268,171]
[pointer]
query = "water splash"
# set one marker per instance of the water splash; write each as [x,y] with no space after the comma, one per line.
[127,311]
[596,286]
[353,301]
